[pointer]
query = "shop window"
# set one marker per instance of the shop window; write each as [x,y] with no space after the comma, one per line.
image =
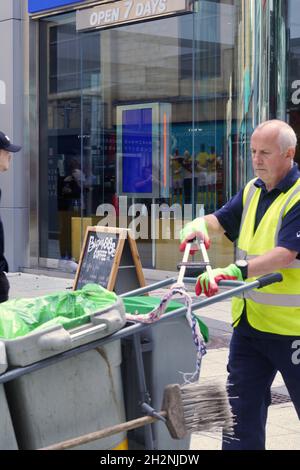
[208,60]
[293,59]
[192,65]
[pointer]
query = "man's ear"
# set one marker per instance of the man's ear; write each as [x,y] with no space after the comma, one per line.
[291,153]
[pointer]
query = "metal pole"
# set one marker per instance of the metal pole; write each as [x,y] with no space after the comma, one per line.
[144,394]
[192,280]
[144,290]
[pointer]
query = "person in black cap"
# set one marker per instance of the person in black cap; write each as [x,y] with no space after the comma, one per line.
[6,147]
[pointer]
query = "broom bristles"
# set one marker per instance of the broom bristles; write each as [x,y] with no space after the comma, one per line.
[206,407]
[197,407]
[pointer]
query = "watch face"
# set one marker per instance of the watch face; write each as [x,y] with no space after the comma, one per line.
[241,263]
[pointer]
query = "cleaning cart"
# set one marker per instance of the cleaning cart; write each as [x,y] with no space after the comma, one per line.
[150,370]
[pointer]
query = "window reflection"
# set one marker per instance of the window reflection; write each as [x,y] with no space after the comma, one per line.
[192,64]
[293,82]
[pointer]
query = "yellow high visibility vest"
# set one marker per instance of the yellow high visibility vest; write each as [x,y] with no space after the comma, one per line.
[275,308]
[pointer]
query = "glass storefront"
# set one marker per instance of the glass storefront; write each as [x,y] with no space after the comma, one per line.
[178,97]
[292,15]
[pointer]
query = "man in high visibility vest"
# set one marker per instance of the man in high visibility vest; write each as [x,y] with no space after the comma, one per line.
[264,218]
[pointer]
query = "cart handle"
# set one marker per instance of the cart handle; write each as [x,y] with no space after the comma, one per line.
[268,279]
[260,282]
[238,288]
[60,339]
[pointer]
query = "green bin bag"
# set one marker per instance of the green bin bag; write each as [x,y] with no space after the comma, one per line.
[19,317]
[144,304]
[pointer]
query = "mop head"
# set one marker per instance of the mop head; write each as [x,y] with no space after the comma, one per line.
[158,311]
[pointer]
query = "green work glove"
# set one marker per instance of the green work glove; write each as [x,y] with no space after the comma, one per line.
[231,272]
[191,230]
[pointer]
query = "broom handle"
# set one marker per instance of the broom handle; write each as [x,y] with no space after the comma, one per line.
[206,260]
[184,260]
[110,431]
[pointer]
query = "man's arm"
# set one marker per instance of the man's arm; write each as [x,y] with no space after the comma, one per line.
[278,258]
[213,225]
[270,262]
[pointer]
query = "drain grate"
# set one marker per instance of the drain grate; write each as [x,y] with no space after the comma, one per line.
[278,398]
[218,342]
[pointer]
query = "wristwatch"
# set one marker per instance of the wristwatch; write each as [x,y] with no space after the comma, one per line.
[242,264]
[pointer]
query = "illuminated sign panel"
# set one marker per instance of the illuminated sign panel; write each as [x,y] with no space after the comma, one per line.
[36,6]
[143,149]
[137,151]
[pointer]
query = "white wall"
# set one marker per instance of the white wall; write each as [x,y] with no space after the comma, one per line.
[13,184]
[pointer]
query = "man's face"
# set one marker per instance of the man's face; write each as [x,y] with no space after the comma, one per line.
[5,158]
[270,164]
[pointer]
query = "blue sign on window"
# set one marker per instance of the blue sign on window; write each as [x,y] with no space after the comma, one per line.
[137,151]
[35,6]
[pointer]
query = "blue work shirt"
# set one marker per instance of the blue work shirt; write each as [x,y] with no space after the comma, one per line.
[230,216]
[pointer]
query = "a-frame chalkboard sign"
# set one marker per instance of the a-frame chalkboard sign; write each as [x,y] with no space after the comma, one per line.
[109,257]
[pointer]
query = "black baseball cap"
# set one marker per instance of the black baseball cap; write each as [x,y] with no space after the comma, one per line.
[5,144]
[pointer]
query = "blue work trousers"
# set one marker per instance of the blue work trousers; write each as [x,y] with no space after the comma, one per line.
[252,366]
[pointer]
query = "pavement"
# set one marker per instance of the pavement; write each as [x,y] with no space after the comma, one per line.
[283,428]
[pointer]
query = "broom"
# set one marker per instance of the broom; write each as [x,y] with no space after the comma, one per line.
[185,409]
[206,399]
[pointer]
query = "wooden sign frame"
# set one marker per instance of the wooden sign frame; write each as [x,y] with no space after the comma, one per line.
[125,235]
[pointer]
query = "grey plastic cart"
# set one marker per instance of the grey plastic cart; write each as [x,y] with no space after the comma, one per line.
[7,433]
[69,398]
[159,353]
[165,349]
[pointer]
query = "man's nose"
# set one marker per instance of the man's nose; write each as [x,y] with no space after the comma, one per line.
[257,158]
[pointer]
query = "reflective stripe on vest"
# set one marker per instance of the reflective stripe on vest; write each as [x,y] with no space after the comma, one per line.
[275,308]
[274,299]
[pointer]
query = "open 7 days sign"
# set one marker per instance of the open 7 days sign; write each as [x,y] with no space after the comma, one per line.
[128,11]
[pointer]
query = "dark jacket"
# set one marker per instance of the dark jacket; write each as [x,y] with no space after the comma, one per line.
[3,262]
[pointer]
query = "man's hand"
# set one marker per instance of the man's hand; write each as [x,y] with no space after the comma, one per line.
[231,272]
[196,228]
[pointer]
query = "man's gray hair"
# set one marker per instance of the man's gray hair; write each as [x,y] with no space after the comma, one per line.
[286,135]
